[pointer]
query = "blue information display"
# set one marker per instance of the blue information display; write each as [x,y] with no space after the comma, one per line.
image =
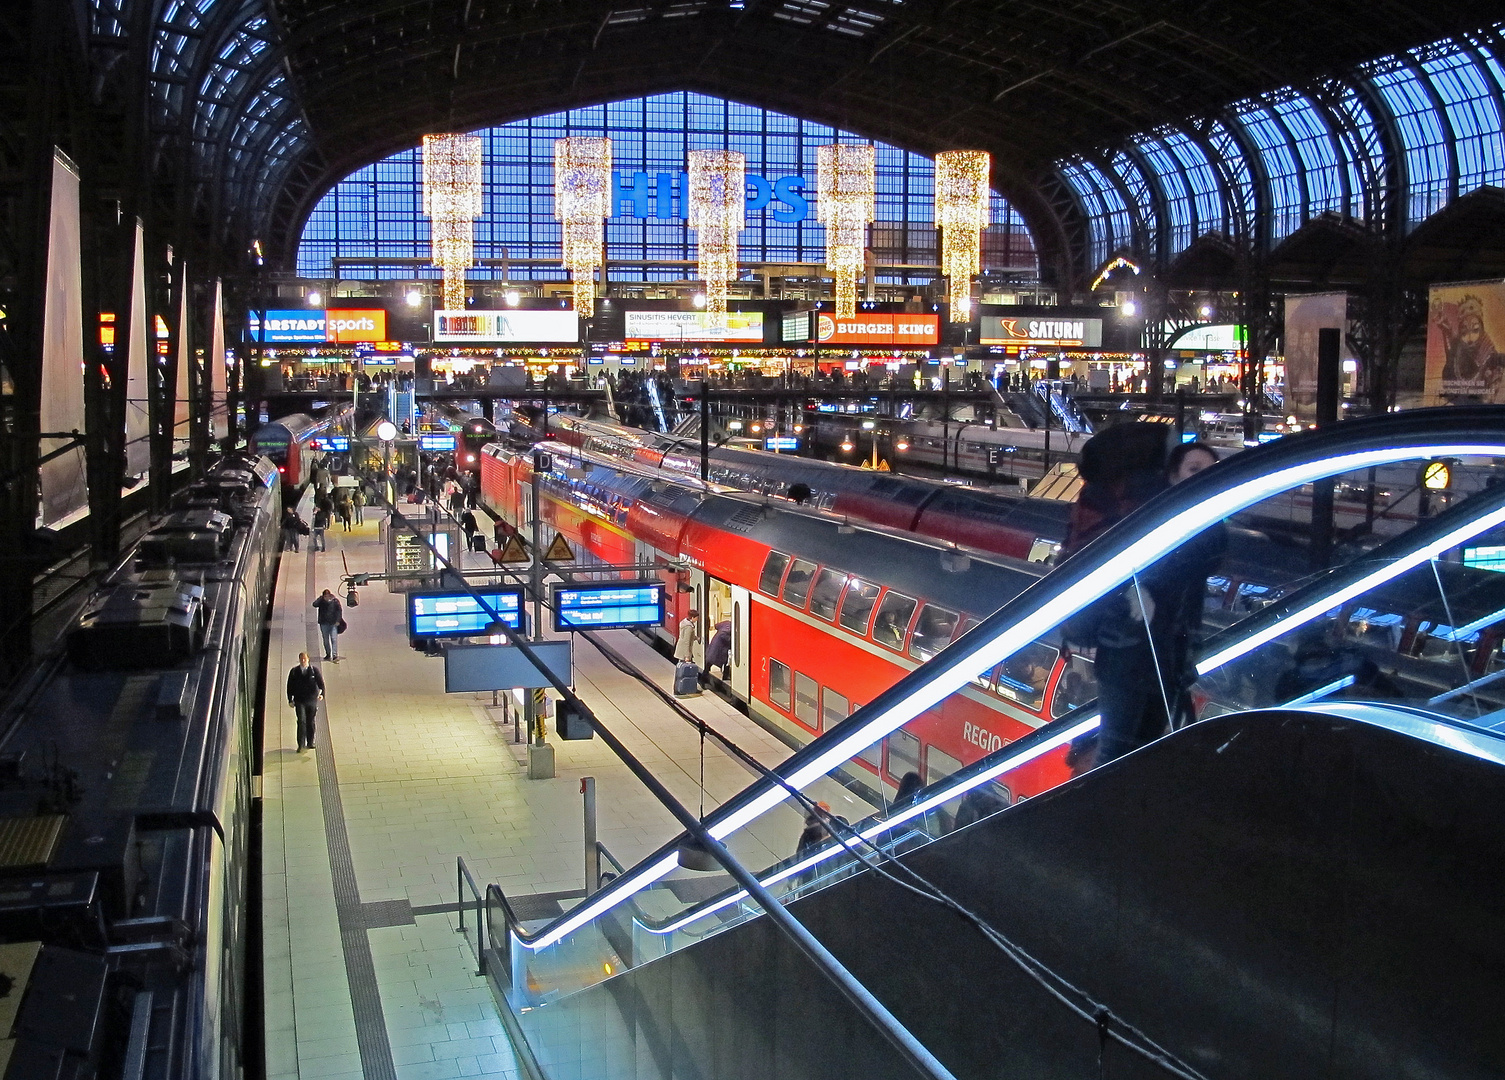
[458,614]
[608,606]
[339,444]
[436,442]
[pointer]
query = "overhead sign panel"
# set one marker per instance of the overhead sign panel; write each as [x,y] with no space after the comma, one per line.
[459,327]
[470,669]
[436,443]
[331,326]
[795,326]
[879,330]
[459,614]
[999,330]
[674,326]
[611,606]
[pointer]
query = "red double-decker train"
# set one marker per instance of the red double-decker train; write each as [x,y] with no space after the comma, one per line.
[824,613]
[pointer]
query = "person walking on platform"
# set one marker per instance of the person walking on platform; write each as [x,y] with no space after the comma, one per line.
[358,503]
[331,621]
[305,686]
[342,508]
[321,523]
[292,528]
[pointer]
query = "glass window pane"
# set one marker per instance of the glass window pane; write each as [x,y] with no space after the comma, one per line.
[797,584]
[806,700]
[773,573]
[833,708]
[903,754]
[1024,675]
[826,592]
[873,755]
[939,765]
[1078,686]
[932,631]
[780,690]
[894,614]
[857,605]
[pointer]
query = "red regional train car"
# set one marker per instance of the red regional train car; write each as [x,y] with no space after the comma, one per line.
[825,614]
[289,442]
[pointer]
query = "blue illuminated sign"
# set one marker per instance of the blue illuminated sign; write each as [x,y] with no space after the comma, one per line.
[666,192]
[606,607]
[339,444]
[284,327]
[458,614]
[436,443]
[781,442]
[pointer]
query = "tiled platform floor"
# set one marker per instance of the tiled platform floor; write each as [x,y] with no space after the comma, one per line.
[361,835]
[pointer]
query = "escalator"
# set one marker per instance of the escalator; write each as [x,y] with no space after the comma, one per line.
[1202,906]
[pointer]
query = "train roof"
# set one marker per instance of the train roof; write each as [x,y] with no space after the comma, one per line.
[299,426]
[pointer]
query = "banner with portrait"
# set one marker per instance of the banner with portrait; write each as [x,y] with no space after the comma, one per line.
[1465,332]
[1305,316]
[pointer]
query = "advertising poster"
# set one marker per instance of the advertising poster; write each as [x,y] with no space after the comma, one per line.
[1465,333]
[672,326]
[1305,315]
[998,330]
[878,330]
[332,326]
[459,327]
[64,488]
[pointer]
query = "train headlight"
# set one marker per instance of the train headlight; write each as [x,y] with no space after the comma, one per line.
[901,446]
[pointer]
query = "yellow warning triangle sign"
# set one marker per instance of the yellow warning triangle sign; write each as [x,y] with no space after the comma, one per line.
[559,550]
[513,550]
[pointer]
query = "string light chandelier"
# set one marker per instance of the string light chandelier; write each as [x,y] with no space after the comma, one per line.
[961,213]
[582,203]
[718,213]
[452,202]
[844,180]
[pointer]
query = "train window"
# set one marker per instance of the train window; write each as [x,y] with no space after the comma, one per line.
[857,605]
[773,573]
[893,618]
[903,754]
[932,631]
[1023,676]
[873,755]
[826,592]
[939,765]
[833,709]
[797,584]
[1078,685]
[780,689]
[807,700]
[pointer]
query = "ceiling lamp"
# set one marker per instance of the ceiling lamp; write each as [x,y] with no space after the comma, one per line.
[961,213]
[718,213]
[452,201]
[582,203]
[844,199]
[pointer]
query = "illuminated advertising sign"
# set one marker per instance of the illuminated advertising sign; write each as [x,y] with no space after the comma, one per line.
[796,326]
[674,326]
[661,195]
[509,324]
[997,330]
[336,325]
[383,353]
[606,607]
[879,330]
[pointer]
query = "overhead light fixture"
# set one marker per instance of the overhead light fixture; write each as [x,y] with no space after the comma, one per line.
[512,297]
[1129,309]
[699,300]
[582,203]
[718,212]
[414,298]
[315,298]
[452,201]
[1205,311]
[844,199]
[961,213]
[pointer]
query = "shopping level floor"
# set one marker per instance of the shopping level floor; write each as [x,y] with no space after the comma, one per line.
[365,974]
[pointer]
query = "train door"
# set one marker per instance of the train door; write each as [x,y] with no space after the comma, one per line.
[742,658]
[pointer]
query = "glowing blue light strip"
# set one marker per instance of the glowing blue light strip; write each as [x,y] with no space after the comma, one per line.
[633,883]
[1096,583]
[942,795]
[1321,692]
[1467,688]
[1477,625]
[1304,615]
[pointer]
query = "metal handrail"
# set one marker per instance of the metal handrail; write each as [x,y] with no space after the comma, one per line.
[463,877]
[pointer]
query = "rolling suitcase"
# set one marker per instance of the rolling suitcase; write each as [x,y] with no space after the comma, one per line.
[686,679]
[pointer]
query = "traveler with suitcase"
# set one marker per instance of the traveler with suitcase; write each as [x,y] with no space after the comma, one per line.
[686,672]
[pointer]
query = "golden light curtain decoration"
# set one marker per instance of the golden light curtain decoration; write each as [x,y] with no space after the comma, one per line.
[718,213]
[582,203]
[844,180]
[961,213]
[452,201]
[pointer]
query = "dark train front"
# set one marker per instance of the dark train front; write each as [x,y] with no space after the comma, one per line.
[125,805]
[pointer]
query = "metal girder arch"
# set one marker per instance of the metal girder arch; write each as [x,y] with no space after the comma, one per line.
[1160,251]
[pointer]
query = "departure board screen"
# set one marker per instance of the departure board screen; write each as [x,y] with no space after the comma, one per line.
[436,443]
[458,614]
[608,606]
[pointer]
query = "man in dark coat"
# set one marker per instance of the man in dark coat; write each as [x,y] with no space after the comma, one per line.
[305,686]
[330,617]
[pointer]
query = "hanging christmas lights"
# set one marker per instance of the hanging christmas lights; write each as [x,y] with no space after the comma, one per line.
[961,214]
[718,213]
[844,181]
[582,203]
[452,202]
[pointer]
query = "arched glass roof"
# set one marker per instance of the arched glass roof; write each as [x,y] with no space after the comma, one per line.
[1428,120]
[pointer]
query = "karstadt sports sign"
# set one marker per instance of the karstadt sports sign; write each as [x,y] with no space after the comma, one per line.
[333,325]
